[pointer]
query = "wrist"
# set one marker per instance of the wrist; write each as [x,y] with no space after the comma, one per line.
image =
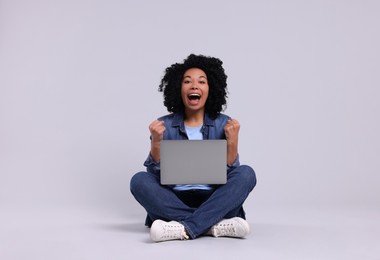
[231,142]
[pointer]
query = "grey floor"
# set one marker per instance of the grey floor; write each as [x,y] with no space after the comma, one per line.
[277,233]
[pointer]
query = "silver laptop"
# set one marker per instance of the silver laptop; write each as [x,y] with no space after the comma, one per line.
[193,162]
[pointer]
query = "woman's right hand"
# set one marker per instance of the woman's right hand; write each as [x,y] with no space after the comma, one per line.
[157,129]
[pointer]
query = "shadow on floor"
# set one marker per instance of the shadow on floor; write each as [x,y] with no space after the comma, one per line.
[126,227]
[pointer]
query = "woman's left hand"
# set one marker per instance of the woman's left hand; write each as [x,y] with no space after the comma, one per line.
[231,129]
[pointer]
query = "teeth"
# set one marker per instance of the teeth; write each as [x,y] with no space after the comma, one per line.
[193,96]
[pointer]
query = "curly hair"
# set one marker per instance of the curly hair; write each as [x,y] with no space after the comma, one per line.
[217,80]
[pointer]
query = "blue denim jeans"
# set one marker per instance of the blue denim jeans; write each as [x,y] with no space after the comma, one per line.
[207,208]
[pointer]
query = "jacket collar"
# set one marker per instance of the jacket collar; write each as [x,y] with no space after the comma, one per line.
[178,120]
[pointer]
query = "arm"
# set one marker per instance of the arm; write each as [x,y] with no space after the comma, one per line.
[231,130]
[157,129]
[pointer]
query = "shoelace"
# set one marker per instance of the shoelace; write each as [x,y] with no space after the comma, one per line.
[174,231]
[184,236]
[224,229]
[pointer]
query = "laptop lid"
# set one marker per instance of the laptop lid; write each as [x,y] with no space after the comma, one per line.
[193,162]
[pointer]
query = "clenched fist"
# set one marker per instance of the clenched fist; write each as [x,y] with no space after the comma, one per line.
[231,129]
[157,129]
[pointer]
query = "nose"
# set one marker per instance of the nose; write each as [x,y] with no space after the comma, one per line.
[194,86]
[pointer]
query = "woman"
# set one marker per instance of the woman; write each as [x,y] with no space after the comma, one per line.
[195,92]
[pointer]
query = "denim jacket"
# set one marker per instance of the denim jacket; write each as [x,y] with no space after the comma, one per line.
[175,130]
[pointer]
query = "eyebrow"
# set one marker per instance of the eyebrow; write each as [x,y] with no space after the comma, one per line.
[198,77]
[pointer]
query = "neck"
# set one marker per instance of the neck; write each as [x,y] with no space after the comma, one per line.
[194,118]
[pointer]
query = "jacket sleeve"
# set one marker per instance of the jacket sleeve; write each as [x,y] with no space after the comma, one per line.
[235,164]
[151,165]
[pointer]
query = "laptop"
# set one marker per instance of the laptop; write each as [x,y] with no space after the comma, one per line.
[193,162]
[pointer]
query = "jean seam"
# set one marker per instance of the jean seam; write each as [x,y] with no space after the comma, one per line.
[188,230]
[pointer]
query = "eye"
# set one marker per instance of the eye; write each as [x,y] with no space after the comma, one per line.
[202,82]
[186,81]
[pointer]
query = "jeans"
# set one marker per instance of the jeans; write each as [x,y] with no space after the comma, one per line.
[205,210]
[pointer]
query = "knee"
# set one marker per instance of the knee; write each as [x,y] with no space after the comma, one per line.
[137,182]
[247,175]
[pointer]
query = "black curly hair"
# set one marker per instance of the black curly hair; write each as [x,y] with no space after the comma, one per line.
[217,80]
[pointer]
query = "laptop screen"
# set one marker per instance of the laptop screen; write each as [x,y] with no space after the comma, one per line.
[193,162]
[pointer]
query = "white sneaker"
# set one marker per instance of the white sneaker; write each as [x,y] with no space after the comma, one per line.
[233,227]
[163,231]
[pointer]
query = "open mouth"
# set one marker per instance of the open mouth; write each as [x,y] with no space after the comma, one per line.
[194,96]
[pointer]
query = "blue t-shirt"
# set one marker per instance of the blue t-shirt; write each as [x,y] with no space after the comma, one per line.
[193,133]
[175,127]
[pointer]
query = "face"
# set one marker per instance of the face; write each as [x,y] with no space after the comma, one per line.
[194,90]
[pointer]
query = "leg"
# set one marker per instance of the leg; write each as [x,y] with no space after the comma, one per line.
[159,201]
[226,201]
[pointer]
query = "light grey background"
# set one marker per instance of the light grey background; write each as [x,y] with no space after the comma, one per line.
[78,89]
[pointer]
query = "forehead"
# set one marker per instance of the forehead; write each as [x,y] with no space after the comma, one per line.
[194,73]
